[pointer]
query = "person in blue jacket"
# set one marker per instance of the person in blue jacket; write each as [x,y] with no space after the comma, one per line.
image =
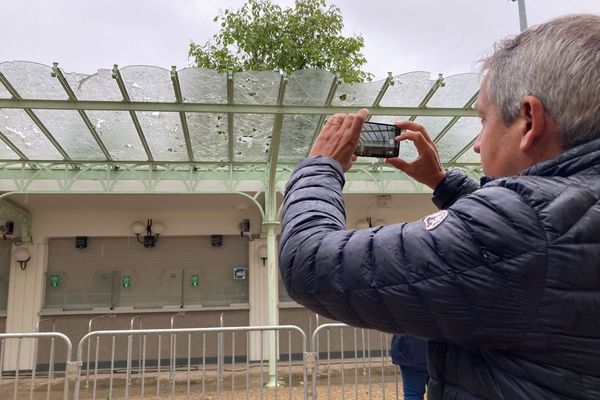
[504,280]
[410,354]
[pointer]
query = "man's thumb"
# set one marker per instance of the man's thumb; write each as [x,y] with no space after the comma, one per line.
[398,163]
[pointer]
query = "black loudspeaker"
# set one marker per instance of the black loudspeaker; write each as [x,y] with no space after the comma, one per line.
[244,226]
[216,240]
[80,242]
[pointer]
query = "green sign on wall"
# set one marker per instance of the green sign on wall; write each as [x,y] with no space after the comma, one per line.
[126,281]
[54,280]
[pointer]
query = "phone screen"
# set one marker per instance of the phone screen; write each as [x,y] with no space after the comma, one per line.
[378,140]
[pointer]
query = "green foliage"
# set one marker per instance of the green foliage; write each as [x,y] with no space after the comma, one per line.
[263,36]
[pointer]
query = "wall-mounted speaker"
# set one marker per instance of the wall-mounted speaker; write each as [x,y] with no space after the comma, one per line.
[81,242]
[216,240]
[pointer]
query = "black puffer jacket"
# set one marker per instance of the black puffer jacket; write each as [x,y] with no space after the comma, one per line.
[505,281]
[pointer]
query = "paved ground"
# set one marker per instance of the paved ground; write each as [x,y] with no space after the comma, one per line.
[334,382]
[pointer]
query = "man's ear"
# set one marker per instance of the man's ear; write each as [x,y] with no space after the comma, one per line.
[533,115]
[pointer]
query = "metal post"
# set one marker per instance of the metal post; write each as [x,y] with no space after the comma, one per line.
[272,303]
[522,15]
[220,350]
[35,352]
[130,349]
[174,347]
[270,224]
[87,363]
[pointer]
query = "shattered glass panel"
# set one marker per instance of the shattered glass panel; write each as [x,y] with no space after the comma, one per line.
[4,94]
[308,87]
[408,151]
[74,80]
[71,133]
[99,86]
[208,134]
[408,89]
[6,152]
[252,134]
[164,135]
[388,119]
[469,157]
[33,80]
[457,90]
[357,94]
[256,87]
[434,125]
[463,132]
[296,136]
[25,134]
[203,85]
[148,83]
[117,132]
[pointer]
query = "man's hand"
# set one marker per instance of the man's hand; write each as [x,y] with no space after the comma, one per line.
[427,168]
[339,138]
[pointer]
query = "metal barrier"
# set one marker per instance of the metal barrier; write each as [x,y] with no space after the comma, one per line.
[200,369]
[90,322]
[210,363]
[13,378]
[363,354]
[173,346]
[130,347]
[35,355]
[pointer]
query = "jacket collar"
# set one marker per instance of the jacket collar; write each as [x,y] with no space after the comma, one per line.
[582,158]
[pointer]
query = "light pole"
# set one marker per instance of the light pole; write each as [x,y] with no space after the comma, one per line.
[522,14]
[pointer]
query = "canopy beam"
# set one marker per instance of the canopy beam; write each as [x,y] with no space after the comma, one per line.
[423,104]
[332,89]
[463,150]
[182,117]
[228,108]
[230,140]
[453,121]
[116,74]
[389,81]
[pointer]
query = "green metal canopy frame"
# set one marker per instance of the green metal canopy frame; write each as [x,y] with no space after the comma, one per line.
[144,129]
[148,130]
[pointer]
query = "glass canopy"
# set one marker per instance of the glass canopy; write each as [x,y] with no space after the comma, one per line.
[147,129]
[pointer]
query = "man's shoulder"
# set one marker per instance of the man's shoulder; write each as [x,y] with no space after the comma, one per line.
[535,190]
[559,202]
[515,198]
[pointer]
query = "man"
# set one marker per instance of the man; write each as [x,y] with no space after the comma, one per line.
[505,280]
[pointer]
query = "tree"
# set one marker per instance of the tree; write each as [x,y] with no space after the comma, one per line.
[263,36]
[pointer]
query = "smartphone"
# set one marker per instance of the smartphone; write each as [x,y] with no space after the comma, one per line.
[378,140]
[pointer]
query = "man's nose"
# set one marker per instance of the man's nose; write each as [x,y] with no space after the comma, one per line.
[477,145]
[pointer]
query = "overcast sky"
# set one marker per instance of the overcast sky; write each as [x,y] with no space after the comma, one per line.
[439,36]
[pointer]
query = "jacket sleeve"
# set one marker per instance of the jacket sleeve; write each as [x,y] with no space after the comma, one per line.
[474,279]
[454,186]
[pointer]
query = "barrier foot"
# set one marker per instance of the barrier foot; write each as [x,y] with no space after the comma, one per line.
[273,383]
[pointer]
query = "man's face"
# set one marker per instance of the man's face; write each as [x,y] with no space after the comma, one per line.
[497,143]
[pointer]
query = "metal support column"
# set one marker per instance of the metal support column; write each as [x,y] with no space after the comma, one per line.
[522,15]
[270,223]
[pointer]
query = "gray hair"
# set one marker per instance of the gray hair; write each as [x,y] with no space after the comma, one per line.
[557,62]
